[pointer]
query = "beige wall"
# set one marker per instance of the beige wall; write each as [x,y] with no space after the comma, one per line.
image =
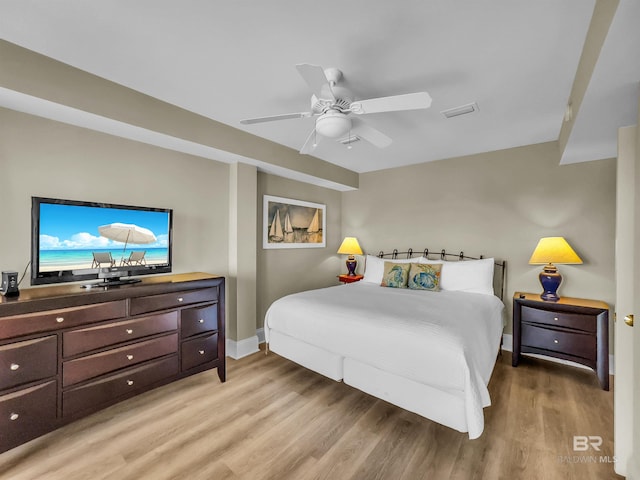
[496,204]
[241,299]
[40,157]
[285,271]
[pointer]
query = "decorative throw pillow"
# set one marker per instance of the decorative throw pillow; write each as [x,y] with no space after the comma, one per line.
[395,274]
[424,276]
[374,267]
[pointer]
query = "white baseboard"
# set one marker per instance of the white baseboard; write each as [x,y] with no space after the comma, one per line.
[242,348]
[507,345]
[260,334]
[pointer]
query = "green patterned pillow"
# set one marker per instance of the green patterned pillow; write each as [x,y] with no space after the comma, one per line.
[395,274]
[425,276]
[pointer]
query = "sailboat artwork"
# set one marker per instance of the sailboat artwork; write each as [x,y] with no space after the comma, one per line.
[275,232]
[313,230]
[293,223]
[288,229]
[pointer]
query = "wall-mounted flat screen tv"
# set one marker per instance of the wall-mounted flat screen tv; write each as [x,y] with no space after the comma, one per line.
[75,240]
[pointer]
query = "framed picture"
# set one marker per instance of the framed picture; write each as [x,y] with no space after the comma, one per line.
[291,223]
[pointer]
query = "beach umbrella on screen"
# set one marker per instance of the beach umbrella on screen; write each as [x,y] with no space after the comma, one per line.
[127,233]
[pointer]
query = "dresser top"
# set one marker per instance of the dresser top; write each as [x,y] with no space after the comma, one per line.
[60,296]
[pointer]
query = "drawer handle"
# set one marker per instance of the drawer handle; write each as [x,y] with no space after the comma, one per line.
[129,357]
[556,341]
[201,320]
[129,331]
[129,382]
[13,416]
[555,318]
[14,367]
[59,319]
[180,299]
[201,352]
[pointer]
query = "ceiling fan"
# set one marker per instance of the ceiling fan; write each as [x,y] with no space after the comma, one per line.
[333,104]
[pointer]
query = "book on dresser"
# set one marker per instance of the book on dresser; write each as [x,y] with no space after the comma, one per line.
[66,351]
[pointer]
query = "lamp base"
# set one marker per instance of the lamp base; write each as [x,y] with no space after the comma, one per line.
[351,265]
[550,279]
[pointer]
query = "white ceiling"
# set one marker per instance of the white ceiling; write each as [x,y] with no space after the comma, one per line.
[232,60]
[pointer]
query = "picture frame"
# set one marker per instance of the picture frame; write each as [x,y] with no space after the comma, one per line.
[289,223]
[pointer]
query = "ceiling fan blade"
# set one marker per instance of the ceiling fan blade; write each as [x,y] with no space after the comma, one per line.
[410,101]
[272,118]
[316,79]
[371,135]
[312,141]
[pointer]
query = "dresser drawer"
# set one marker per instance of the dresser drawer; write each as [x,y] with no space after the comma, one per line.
[27,413]
[17,325]
[172,300]
[199,350]
[123,384]
[578,344]
[90,338]
[577,321]
[84,368]
[28,361]
[198,320]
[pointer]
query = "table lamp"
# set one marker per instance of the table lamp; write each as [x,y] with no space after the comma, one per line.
[552,250]
[351,247]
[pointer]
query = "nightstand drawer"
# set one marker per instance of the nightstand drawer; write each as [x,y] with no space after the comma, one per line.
[586,323]
[577,344]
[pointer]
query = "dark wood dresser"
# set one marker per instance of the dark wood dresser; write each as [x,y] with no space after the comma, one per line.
[573,329]
[67,351]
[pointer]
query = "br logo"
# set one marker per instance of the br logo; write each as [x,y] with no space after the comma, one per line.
[582,443]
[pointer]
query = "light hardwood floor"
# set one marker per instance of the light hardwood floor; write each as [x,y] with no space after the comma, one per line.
[275,420]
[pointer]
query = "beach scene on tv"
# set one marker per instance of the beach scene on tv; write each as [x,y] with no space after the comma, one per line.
[74,237]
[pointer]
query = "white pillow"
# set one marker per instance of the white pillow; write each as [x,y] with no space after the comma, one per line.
[374,267]
[475,276]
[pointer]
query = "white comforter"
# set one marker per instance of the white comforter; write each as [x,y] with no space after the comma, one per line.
[448,340]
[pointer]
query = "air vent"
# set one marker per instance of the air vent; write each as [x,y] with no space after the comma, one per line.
[461,110]
[350,140]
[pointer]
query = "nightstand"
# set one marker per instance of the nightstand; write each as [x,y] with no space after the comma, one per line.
[573,329]
[350,278]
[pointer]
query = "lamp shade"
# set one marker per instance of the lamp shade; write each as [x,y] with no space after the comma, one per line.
[554,250]
[350,246]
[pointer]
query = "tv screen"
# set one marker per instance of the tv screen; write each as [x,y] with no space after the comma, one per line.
[74,240]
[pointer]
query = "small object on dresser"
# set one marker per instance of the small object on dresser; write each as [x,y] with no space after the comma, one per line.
[9,285]
[573,329]
[346,278]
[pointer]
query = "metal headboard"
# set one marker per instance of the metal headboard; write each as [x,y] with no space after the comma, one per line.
[499,276]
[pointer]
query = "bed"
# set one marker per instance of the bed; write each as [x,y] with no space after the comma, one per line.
[429,351]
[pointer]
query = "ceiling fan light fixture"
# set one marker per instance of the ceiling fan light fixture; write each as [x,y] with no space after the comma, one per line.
[333,124]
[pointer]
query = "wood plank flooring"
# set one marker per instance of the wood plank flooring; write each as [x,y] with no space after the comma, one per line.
[273,419]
